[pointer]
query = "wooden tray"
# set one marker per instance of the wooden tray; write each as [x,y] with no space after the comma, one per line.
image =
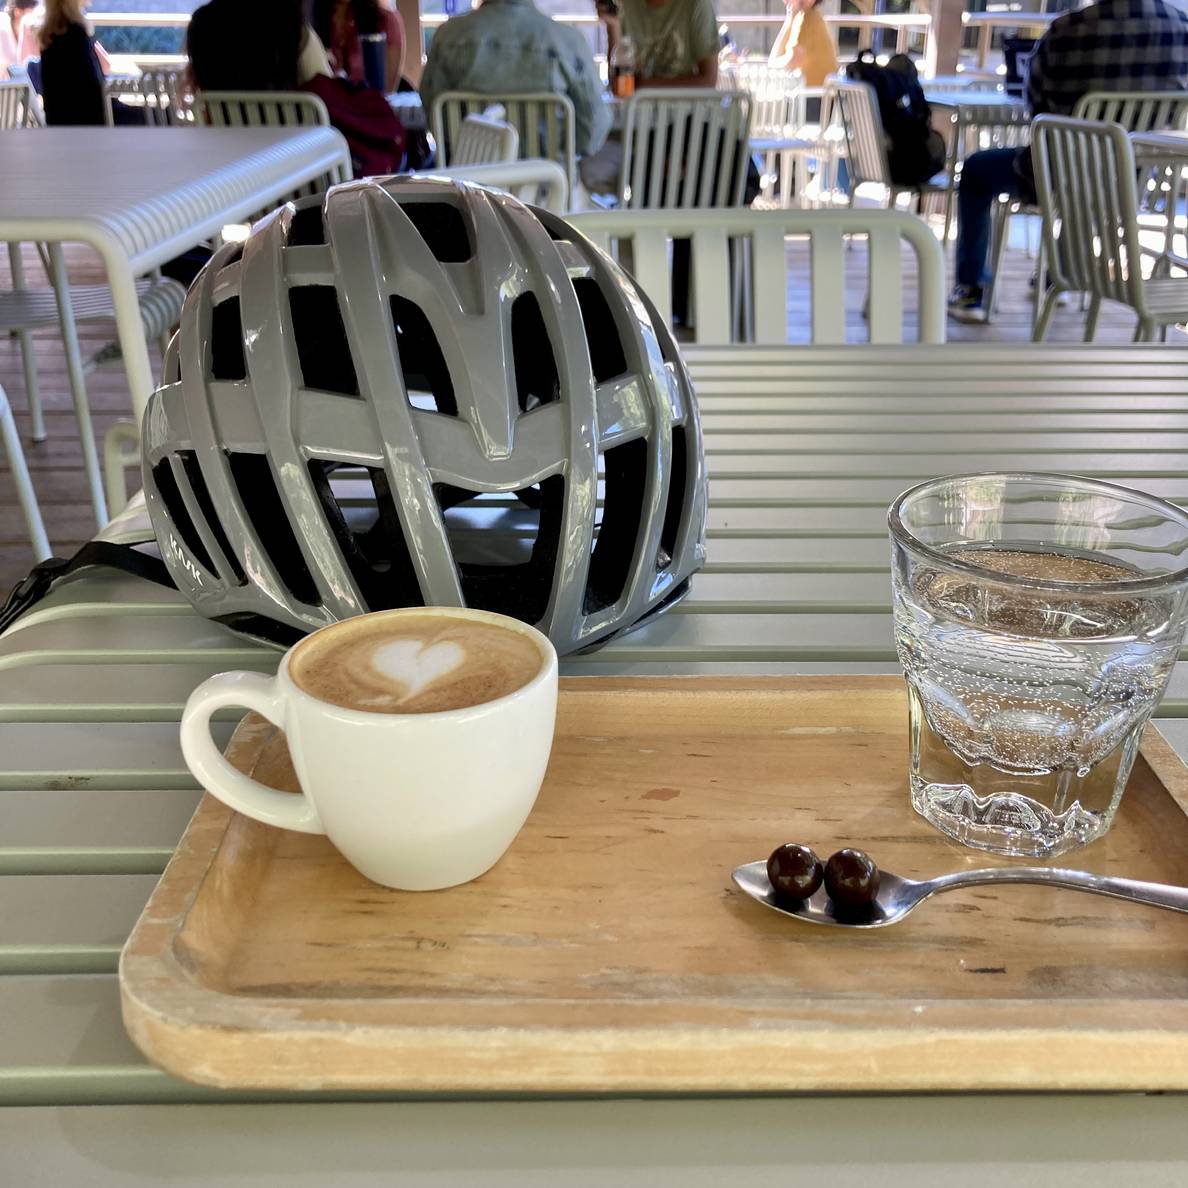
[608,951]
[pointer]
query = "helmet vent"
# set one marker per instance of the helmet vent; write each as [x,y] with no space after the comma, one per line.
[170,493]
[537,381]
[306,228]
[265,509]
[506,567]
[226,342]
[443,229]
[322,346]
[206,507]
[602,335]
[625,476]
[426,376]
[678,473]
[367,527]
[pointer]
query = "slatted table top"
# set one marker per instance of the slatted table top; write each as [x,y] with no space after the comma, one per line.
[806,448]
[149,193]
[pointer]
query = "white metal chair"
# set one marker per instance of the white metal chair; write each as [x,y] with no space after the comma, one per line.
[269,109]
[23,310]
[11,442]
[780,130]
[684,149]
[1136,111]
[976,127]
[63,307]
[1085,176]
[1146,111]
[160,94]
[866,145]
[541,182]
[19,106]
[483,140]
[544,122]
[649,234]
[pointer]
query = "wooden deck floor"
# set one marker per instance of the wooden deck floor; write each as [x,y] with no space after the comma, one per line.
[56,466]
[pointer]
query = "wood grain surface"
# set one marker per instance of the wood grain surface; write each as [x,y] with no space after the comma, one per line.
[608,951]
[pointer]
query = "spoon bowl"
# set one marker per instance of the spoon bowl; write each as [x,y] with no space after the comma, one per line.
[897,896]
[892,903]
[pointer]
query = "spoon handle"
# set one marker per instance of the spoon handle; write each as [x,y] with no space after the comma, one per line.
[1162,895]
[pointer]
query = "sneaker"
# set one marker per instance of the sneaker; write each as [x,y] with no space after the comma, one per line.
[965,304]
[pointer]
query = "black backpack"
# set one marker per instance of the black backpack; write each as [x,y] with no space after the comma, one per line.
[915,150]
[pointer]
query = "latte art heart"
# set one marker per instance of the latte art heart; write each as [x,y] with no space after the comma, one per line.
[416,665]
[407,663]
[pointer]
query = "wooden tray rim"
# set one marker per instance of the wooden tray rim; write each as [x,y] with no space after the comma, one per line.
[1090,1053]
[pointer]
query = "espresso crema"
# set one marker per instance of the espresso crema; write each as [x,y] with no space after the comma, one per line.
[414,664]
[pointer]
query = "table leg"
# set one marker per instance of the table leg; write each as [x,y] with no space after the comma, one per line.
[130,328]
[28,357]
[134,347]
[78,388]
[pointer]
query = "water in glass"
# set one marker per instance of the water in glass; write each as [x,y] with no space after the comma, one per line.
[1032,668]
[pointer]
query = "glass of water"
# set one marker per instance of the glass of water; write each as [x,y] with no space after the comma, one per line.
[1037,618]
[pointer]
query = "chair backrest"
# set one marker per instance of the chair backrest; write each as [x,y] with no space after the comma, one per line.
[260,109]
[167,98]
[159,94]
[540,182]
[544,122]
[1085,177]
[269,109]
[993,125]
[1136,111]
[684,148]
[764,235]
[483,139]
[773,96]
[18,106]
[866,144]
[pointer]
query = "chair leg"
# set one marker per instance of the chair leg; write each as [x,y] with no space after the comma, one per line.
[1091,320]
[1144,330]
[121,450]
[24,484]
[1045,315]
[78,389]
[1040,280]
[28,353]
[999,230]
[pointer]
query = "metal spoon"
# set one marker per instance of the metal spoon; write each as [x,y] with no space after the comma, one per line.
[897,896]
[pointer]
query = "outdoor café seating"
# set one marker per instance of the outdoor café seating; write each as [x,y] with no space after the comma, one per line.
[512,681]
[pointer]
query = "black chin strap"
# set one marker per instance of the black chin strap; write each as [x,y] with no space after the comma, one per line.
[40,580]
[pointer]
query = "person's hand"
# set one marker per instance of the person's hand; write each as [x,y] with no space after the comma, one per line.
[609,15]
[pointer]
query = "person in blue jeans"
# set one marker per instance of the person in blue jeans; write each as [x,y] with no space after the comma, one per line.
[1115,45]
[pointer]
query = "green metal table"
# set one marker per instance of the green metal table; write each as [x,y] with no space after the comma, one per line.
[806,448]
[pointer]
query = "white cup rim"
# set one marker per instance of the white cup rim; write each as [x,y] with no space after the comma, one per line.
[548,666]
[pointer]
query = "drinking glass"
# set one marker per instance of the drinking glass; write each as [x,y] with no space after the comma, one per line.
[1037,618]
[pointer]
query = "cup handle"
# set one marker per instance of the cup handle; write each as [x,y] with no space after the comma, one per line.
[217,776]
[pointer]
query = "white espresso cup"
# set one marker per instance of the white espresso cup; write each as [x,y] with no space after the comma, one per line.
[413,800]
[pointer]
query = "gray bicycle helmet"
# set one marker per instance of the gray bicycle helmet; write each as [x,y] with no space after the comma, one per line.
[411,392]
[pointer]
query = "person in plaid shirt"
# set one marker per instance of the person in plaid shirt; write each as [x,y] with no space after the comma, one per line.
[1116,45]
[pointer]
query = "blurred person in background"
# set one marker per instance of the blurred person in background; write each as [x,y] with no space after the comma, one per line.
[338,23]
[237,46]
[676,41]
[805,43]
[18,34]
[1115,45]
[72,66]
[510,46]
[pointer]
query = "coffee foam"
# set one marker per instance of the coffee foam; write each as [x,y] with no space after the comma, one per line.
[414,664]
